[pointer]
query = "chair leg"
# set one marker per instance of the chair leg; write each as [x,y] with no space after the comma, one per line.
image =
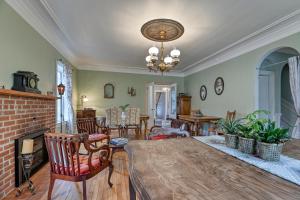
[51,185]
[84,189]
[111,168]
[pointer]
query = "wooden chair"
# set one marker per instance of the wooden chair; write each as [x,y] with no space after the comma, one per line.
[158,133]
[230,115]
[133,119]
[112,119]
[66,163]
[90,126]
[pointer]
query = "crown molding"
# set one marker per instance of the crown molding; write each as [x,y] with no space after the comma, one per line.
[36,16]
[126,69]
[277,30]
[42,18]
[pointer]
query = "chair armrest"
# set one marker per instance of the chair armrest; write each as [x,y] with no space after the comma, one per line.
[155,127]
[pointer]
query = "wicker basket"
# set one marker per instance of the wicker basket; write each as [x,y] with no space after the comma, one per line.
[269,152]
[231,141]
[246,145]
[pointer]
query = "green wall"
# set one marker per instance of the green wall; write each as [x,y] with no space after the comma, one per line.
[91,83]
[239,75]
[22,48]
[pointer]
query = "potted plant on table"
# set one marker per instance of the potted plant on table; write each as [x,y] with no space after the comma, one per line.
[249,130]
[230,128]
[271,140]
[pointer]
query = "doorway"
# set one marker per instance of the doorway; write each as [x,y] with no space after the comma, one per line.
[273,86]
[161,102]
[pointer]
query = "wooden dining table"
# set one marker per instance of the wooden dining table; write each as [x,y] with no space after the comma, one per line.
[198,121]
[186,169]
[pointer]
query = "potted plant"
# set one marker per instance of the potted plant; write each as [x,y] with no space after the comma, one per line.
[248,131]
[271,140]
[230,128]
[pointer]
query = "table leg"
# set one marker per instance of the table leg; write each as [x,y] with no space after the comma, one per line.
[111,169]
[132,193]
[146,126]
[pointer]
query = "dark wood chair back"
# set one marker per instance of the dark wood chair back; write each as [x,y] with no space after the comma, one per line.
[230,115]
[66,163]
[87,125]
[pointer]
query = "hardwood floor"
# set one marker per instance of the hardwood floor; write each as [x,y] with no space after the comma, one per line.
[98,188]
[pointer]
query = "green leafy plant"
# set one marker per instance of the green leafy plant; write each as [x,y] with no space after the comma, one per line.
[124,107]
[252,125]
[270,134]
[229,126]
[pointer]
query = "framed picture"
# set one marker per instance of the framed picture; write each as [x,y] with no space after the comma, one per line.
[109,90]
[203,92]
[219,85]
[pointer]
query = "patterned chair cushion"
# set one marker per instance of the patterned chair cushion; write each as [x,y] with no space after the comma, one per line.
[98,137]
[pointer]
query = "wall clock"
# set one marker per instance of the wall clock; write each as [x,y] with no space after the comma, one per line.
[219,85]
[203,92]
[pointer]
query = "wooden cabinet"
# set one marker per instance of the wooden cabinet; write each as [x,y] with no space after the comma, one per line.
[86,114]
[184,105]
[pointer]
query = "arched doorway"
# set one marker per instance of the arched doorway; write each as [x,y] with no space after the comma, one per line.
[271,82]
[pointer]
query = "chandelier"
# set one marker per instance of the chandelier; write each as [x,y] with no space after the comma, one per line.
[162,30]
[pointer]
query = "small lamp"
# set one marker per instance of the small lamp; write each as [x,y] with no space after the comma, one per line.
[27,159]
[61,90]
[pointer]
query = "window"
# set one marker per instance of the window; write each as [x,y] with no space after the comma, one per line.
[61,78]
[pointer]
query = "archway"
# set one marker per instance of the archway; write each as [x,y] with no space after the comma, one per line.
[270,83]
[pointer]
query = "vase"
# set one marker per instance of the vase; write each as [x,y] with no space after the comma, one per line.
[269,152]
[246,145]
[123,118]
[231,141]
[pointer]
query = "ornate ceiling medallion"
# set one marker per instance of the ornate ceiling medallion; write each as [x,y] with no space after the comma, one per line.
[162,30]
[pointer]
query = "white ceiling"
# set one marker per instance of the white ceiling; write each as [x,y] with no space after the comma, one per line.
[106,33]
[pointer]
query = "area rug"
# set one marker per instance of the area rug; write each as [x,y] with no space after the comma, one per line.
[287,168]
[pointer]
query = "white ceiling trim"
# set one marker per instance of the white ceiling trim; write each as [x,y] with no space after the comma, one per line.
[36,16]
[279,29]
[47,25]
[125,69]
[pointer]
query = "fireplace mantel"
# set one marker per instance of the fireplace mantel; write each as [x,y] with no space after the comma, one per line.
[26,94]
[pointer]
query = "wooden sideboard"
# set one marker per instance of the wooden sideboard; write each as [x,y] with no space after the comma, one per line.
[184,105]
[188,169]
[86,113]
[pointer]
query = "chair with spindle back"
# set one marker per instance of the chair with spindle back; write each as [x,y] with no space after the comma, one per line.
[230,115]
[90,126]
[66,163]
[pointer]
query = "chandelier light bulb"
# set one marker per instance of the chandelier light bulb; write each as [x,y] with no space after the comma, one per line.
[148,59]
[175,53]
[168,60]
[153,51]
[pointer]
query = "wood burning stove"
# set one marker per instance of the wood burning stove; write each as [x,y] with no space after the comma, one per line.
[40,156]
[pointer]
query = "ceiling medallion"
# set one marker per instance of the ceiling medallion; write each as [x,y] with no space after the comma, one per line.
[162,30]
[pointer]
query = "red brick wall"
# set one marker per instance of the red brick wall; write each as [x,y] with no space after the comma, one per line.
[19,115]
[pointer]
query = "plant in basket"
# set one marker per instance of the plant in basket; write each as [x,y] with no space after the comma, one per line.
[271,140]
[230,128]
[248,131]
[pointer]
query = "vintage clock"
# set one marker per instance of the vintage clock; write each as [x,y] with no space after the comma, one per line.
[26,82]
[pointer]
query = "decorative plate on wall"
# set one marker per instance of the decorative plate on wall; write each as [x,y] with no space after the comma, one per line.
[203,92]
[219,85]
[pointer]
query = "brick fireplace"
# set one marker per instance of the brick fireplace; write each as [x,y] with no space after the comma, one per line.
[21,113]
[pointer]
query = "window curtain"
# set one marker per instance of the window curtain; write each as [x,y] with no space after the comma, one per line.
[294,68]
[65,78]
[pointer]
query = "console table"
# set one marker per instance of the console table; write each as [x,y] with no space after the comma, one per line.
[198,121]
[188,169]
